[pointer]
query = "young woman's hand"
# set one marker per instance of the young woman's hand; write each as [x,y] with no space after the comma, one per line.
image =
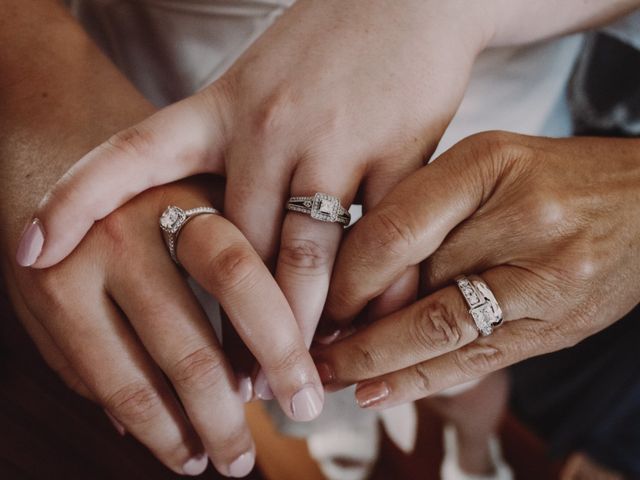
[337,97]
[116,319]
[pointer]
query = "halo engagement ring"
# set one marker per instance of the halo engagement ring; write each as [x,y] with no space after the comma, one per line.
[173,219]
[322,207]
[483,306]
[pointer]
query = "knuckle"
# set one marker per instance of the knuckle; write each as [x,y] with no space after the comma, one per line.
[435,328]
[135,141]
[232,268]
[546,210]
[364,358]
[478,359]
[230,443]
[582,267]
[288,359]
[423,382]
[274,113]
[496,144]
[115,228]
[304,254]
[393,238]
[199,370]
[135,404]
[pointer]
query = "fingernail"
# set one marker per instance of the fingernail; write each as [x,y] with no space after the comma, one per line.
[196,465]
[306,404]
[116,424]
[369,394]
[328,339]
[326,373]
[245,388]
[242,466]
[262,388]
[31,244]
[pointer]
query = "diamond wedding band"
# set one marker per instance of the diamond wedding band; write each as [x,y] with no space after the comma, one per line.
[173,219]
[322,207]
[483,306]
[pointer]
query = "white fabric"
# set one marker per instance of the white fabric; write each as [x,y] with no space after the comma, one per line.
[451,470]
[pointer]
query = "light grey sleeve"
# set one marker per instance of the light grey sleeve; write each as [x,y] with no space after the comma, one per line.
[626,29]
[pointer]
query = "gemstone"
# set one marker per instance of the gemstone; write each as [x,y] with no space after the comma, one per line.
[326,206]
[171,218]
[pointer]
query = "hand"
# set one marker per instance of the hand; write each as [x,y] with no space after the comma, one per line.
[333,98]
[117,313]
[75,312]
[552,226]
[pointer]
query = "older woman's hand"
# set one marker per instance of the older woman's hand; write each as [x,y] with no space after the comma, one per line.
[552,226]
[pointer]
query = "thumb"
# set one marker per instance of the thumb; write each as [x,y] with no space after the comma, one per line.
[181,140]
[411,222]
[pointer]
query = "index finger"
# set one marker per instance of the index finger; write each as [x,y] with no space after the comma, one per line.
[219,257]
[405,228]
[179,141]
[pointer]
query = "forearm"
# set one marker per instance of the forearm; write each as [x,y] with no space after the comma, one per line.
[525,21]
[59,96]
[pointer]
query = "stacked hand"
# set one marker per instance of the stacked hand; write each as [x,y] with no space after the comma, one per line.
[550,225]
[553,228]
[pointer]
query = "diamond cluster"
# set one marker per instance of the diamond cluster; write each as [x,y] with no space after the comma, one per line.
[481,306]
[172,219]
[325,207]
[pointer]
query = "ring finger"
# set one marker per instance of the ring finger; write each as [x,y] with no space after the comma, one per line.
[308,247]
[220,259]
[112,363]
[433,326]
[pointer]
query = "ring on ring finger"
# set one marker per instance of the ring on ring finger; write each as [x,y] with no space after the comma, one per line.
[483,306]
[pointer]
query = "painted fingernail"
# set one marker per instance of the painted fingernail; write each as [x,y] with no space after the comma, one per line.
[245,388]
[262,388]
[196,465]
[31,244]
[242,466]
[369,394]
[116,424]
[328,339]
[306,404]
[326,373]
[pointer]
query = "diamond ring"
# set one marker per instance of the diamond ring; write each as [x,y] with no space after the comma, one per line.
[321,206]
[483,306]
[173,219]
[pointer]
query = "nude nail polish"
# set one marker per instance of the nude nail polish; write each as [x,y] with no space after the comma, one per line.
[242,466]
[329,338]
[245,388]
[306,404]
[31,244]
[262,388]
[369,394]
[195,465]
[326,373]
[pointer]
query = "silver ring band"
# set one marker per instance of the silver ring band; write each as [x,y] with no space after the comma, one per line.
[483,306]
[173,219]
[322,207]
